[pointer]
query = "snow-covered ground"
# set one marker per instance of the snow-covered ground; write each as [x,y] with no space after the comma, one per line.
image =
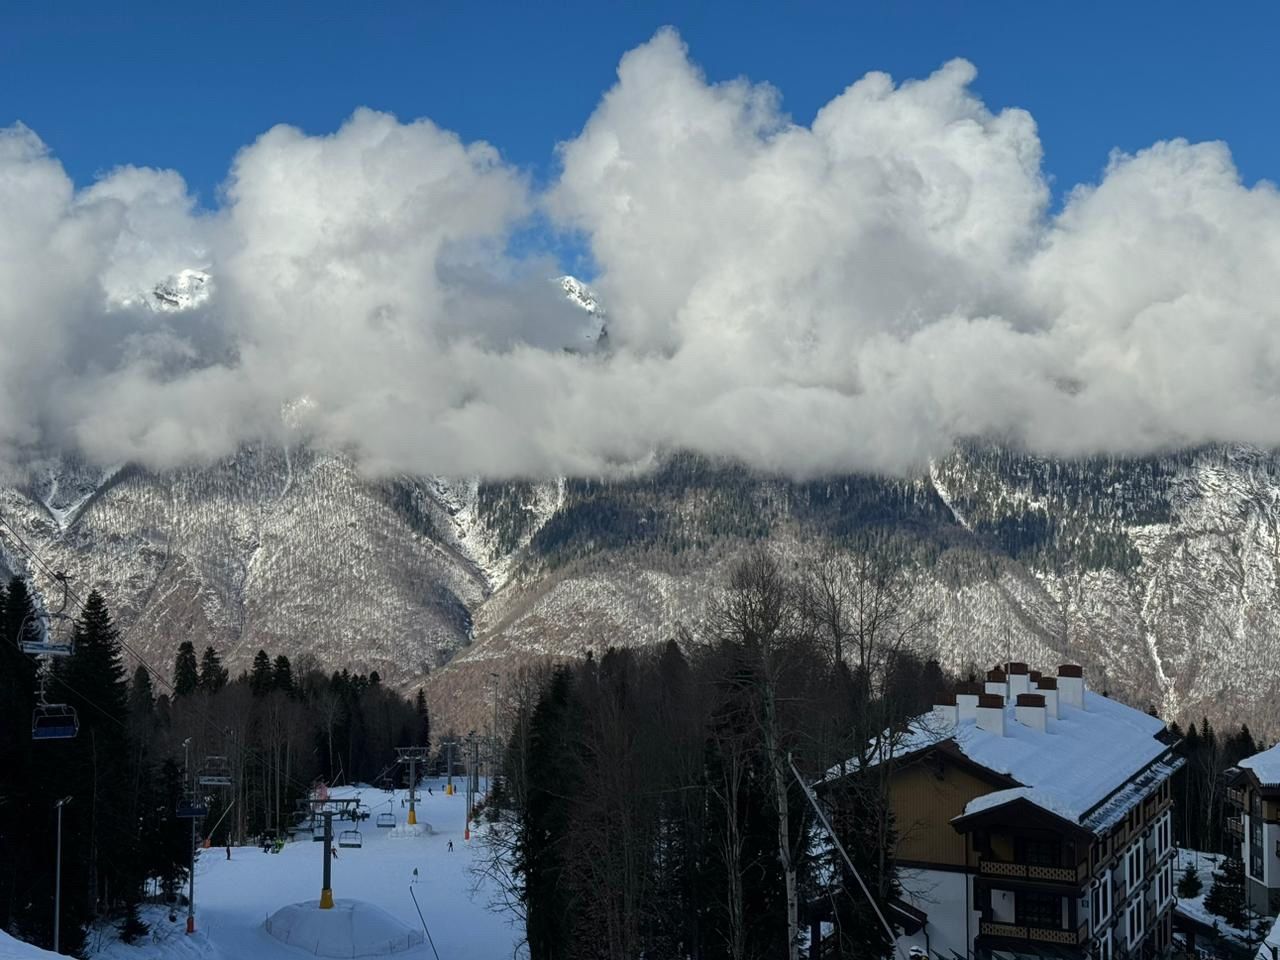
[234,897]
[1194,908]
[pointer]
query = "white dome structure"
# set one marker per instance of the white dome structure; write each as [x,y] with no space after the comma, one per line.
[352,928]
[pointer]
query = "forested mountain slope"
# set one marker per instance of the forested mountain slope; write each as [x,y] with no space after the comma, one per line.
[1159,574]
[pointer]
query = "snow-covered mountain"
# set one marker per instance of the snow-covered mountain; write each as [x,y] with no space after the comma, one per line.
[1161,574]
[184,290]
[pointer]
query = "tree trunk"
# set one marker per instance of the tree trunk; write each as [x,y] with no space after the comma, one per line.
[782,803]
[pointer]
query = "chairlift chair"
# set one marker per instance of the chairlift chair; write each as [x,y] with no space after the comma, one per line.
[350,838]
[48,645]
[216,772]
[192,808]
[54,721]
[317,833]
[386,820]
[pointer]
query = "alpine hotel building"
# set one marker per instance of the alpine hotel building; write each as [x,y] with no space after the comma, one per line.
[1033,818]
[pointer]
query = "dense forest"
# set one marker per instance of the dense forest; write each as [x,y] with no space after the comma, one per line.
[142,743]
[650,805]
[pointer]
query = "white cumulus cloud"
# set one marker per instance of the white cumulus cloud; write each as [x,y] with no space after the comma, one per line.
[853,294]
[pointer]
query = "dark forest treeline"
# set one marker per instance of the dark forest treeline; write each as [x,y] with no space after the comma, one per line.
[649,808]
[280,727]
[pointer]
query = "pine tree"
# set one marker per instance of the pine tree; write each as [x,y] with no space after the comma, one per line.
[282,674]
[1189,884]
[185,675]
[424,721]
[1226,897]
[142,700]
[260,677]
[103,830]
[213,675]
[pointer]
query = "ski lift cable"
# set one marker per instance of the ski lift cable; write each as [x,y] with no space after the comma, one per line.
[155,674]
[826,825]
[429,940]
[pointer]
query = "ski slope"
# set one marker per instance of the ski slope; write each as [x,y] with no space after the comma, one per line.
[234,897]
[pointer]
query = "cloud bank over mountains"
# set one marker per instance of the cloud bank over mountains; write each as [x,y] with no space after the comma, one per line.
[851,295]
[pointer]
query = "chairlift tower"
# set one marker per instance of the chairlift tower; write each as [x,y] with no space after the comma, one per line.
[325,808]
[412,756]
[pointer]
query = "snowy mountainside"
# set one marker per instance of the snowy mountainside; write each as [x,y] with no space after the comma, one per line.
[184,290]
[1160,575]
[292,551]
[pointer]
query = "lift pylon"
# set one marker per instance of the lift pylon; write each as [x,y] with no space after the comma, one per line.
[412,756]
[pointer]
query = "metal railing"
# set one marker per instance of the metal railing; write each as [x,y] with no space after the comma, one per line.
[1026,871]
[1019,931]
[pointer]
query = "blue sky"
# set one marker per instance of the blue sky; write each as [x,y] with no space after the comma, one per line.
[173,85]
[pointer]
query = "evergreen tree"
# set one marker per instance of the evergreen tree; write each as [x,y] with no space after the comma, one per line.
[261,680]
[102,825]
[1226,897]
[185,674]
[1189,884]
[213,675]
[142,700]
[424,721]
[282,674]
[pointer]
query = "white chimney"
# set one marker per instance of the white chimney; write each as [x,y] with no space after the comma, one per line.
[1071,686]
[1019,680]
[1048,688]
[1030,712]
[991,713]
[997,684]
[967,701]
[946,716]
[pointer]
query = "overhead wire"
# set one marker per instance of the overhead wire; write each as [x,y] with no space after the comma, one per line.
[35,557]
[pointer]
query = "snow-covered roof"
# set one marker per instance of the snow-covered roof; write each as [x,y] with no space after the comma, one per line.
[1075,765]
[1265,766]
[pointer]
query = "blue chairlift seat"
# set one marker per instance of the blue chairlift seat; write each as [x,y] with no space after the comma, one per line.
[46,648]
[191,809]
[216,772]
[54,721]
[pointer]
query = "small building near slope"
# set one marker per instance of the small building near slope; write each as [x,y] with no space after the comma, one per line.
[1033,818]
[1253,794]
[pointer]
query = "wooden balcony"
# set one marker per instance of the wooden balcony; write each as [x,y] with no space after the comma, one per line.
[1024,871]
[1235,828]
[1043,934]
[1235,797]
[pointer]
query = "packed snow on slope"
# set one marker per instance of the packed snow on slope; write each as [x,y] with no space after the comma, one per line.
[11,949]
[350,928]
[1193,907]
[234,898]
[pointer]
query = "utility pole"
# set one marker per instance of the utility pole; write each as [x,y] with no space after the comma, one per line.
[466,825]
[191,876]
[413,789]
[493,739]
[57,882]
[326,886]
[448,789]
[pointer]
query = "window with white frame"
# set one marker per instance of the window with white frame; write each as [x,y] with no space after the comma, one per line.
[1134,866]
[1163,835]
[1134,922]
[1104,946]
[1164,881]
[1100,901]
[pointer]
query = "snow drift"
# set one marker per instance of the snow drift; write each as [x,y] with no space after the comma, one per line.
[352,928]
